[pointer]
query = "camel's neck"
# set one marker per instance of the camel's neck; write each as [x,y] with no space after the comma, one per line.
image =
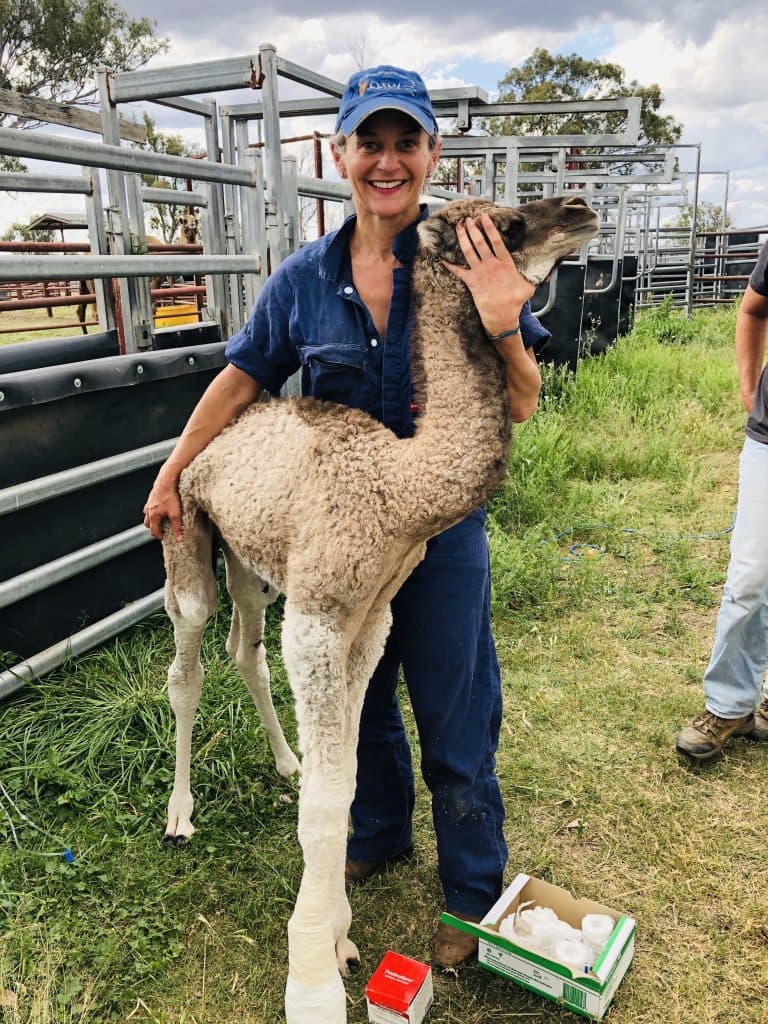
[459,452]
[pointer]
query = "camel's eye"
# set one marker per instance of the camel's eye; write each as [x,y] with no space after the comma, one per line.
[513,233]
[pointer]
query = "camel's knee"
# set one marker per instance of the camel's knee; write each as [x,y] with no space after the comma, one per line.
[251,659]
[189,610]
[323,810]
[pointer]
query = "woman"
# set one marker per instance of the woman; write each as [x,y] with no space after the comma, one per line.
[339,310]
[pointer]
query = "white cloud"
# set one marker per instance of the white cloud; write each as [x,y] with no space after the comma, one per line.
[715,86]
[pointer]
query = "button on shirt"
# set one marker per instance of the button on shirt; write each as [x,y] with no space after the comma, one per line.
[309,315]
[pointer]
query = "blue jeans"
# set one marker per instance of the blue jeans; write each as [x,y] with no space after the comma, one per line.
[441,635]
[737,667]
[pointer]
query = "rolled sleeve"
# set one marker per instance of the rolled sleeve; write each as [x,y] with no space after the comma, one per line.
[264,348]
[758,279]
[532,330]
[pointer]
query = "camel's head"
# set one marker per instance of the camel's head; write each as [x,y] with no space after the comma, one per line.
[540,233]
[189,225]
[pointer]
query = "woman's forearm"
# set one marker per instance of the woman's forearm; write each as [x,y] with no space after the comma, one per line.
[523,380]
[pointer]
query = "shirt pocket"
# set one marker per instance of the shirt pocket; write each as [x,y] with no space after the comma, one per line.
[337,373]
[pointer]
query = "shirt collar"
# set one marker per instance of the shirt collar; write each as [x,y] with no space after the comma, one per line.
[334,262]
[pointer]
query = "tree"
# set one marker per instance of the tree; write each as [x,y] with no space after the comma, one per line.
[709,217]
[547,77]
[19,232]
[49,49]
[165,217]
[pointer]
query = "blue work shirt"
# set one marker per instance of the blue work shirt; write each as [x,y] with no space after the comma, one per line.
[310,315]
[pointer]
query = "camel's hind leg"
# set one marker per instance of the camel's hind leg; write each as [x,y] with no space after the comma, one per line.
[190,599]
[245,645]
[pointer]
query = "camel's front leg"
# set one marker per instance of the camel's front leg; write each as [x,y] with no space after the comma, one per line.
[364,656]
[314,991]
[315,650]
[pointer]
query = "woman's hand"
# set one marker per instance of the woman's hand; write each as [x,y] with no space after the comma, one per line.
[499,292]
[163,504]
[227,394]
[498,288]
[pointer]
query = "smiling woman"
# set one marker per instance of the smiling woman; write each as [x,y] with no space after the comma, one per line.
[387,161]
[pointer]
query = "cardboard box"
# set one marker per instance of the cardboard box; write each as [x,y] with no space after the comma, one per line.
[587,994]
[400,991]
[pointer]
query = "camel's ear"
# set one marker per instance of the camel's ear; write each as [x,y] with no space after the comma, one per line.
[438,238]
[512,229]
[431,233]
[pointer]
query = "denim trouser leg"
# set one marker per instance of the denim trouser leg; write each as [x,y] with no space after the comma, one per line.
[442,637]
[737,667]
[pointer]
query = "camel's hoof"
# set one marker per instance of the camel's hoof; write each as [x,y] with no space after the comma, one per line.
[177,841]
[347,957]
[288,766]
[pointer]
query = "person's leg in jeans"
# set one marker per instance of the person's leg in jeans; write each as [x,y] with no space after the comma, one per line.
[737,664]
[383,804]
[737,667]
[454,683]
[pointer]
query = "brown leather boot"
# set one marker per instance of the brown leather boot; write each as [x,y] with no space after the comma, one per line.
[707,734]
[760,732]
[452,948]
[358,871]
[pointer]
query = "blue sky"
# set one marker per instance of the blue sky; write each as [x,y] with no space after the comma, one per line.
[707,57]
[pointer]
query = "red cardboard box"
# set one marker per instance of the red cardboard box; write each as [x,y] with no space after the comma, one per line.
[400,991]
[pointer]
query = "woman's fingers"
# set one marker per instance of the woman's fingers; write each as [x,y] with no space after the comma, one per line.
[465,241]
[479,243]
[494,239]
[157,513]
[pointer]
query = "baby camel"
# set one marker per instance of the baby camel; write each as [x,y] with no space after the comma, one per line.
[324,504]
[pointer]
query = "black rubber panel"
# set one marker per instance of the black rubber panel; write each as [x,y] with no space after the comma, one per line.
[50,423]
[564,319]
[30,355]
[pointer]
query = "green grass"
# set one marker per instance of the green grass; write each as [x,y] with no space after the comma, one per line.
[609,549]
[22,319]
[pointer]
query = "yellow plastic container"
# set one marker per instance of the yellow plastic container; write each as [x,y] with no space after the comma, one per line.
[172,316]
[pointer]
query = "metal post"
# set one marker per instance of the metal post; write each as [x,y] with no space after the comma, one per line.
[232,240]
[560,181]
[694,217]
[252,206]
[291,189]
[511,168]
[97,233]
[119,212]
[143,317]
[276,216]
[214,238]
[723,241]
[489,174]
[318,153]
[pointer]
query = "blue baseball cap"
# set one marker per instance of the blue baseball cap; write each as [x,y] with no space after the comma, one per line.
[385,88]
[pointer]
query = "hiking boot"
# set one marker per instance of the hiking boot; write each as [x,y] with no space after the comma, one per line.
[760,731]
[706,735]
[452,948]
[359,871]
